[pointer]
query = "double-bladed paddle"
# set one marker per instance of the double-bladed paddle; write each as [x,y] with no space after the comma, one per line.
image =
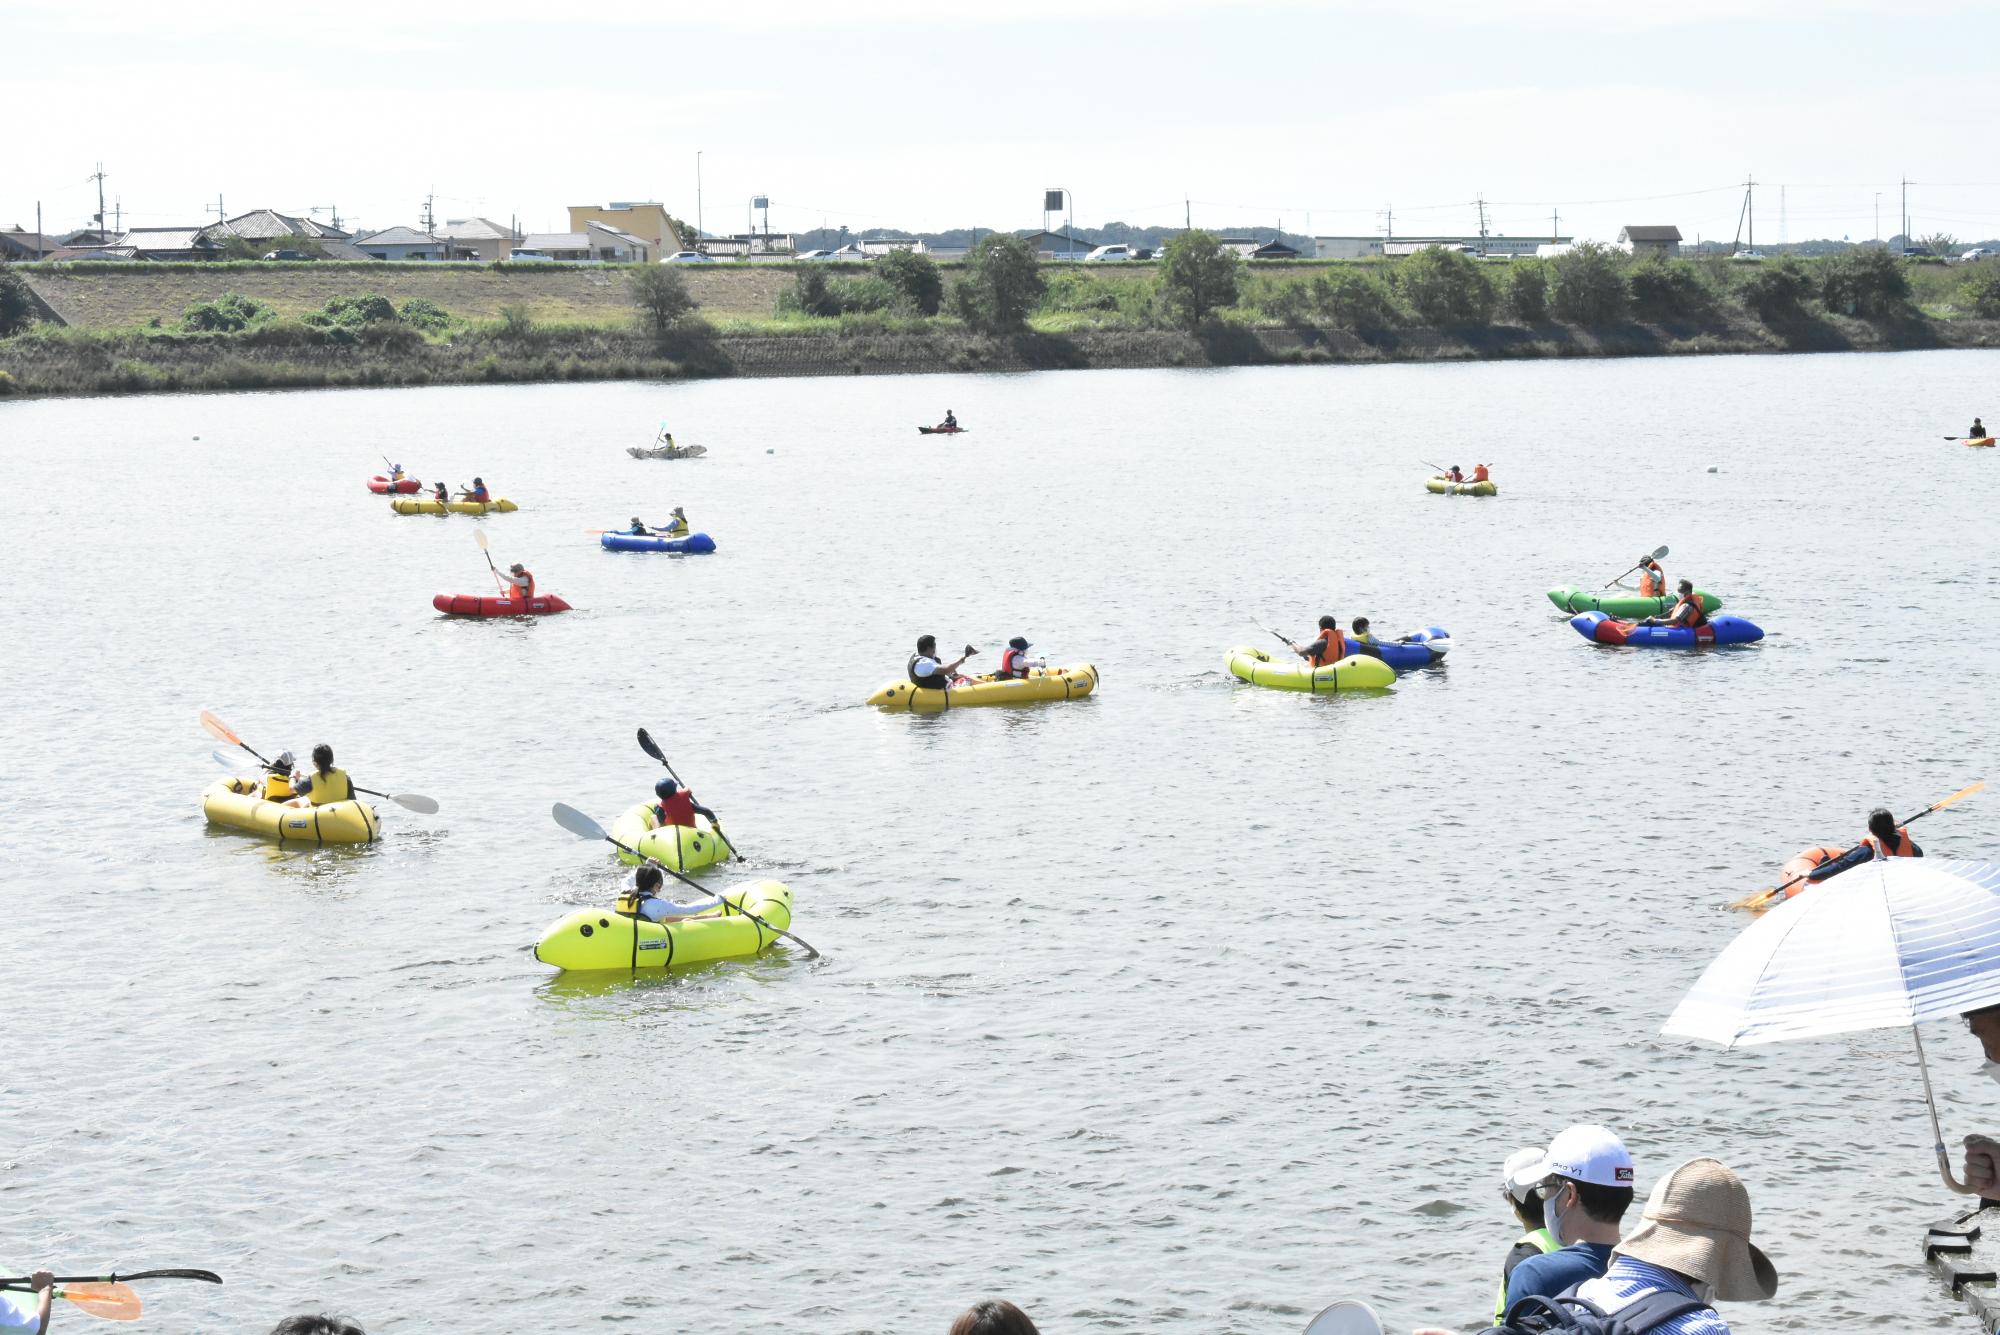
[1763,897]
[107,1296]
[652,748]
[583,827]
[1659,554]
[416,802]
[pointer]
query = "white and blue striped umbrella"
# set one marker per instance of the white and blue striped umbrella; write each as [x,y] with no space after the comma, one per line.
[1887,944]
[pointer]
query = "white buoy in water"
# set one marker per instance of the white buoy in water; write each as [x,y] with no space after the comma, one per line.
[1712,468]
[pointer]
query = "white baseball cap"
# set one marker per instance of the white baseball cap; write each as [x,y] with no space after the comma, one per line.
[1587,1154]
[1522,1173]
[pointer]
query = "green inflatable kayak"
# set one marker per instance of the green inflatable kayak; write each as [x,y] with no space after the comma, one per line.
[1623,603]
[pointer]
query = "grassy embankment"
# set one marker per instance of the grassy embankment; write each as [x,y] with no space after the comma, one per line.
[122,328]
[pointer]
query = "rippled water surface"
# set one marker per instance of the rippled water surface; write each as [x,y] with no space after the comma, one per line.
[1188,1007]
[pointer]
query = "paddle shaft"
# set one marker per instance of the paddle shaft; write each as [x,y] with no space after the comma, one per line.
[727,906]
[206,1276]
[1659,555]
[218,729]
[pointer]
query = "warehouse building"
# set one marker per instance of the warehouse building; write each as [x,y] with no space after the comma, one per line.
[1377,247]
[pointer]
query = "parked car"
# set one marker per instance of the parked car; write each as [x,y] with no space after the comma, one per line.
[532,257]
[1915,253]
[1977,253]
[1748,256]
[1110,255]
[1149,253]
[288,255]
[688,257]
[815,255]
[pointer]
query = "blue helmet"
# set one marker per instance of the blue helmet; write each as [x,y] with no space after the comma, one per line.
[665,789]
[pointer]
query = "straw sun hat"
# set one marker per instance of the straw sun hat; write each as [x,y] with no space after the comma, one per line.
[1697,1222]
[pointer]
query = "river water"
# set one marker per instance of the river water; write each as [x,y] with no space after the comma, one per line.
[1189,1007]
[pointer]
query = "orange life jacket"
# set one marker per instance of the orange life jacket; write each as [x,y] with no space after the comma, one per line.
[1693,602]
[676,810]
[1479,473]
[1328,648]
[1652,584]
[516,591]
[1904,846]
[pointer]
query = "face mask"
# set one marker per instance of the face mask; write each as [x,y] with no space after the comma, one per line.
[1552,1217]
[1990,1069]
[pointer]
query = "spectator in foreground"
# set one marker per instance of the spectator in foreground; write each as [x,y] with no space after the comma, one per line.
[1586,1188]
[988,1316]
[1982,1153]
[28,1313]
[1693,1242]
[1519,1177]
[318,1324]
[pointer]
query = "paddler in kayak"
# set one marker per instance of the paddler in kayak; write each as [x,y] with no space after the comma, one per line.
[638,529]
[323,783]
[677,805]
[520,582]
[1686,611]
[950,422]
[677,527]
[927,672]
[1480,473]
[1885,839]
[395,473]
[1329,646]
[1978,431]
[1454,475]
[644,886]
[1364,638]
[1652,579]
[278,778]
[1014,660]
[476,492]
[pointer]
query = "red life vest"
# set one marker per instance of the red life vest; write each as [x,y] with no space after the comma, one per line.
[676,810]
[1651,583]
[1904,847]
[1009,658]
[481,494]
[1328,648]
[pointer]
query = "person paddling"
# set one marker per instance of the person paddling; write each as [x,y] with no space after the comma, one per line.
[476,492]
[28,1313]
[644,886]
[950,422]
[1686,611]
[927,672]
[441,494]
[395,472]
[1327,647]
[1978,431]
[639,529]
[677,805]
[519,582]
[324,784]
[677,527]
[1014,661]
[1885,839]
[1480,473]
[1652,579]
[278,778]
[1454,475]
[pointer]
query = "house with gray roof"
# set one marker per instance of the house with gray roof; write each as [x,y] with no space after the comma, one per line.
[400,243]
[271,225]
[16,244]
[1639,241]
[598,241]
[167,244]
[478,239]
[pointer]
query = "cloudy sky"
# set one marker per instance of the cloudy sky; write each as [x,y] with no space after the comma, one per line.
[920,116]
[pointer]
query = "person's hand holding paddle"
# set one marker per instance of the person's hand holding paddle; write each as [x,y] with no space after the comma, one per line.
[1659,554]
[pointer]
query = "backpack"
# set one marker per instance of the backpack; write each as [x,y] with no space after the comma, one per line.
[1570,1315]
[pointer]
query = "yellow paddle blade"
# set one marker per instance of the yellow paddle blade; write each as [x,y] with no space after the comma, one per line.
[1754,901]
[220,730]
[1961,793]
[113,1302]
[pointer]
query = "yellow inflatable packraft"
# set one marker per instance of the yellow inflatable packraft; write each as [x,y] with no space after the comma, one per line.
[239,804]
[682,847]
[1056,683]
[430,505]
[604,939]
[1356,672]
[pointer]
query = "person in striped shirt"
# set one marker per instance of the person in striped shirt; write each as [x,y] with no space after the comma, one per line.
[1692,1241]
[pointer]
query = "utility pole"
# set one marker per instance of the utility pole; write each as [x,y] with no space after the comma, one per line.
[1187,214]
[1750,208]
[1906,212]
[38,229]
[1878,215]
[698,229]
[430,216]
[1388,223]
[219,214]
[98,176]
[1784,227]
[1555,226]
[1480,200]
[118,213]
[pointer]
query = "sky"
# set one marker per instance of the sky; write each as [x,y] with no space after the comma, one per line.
[1322,118]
